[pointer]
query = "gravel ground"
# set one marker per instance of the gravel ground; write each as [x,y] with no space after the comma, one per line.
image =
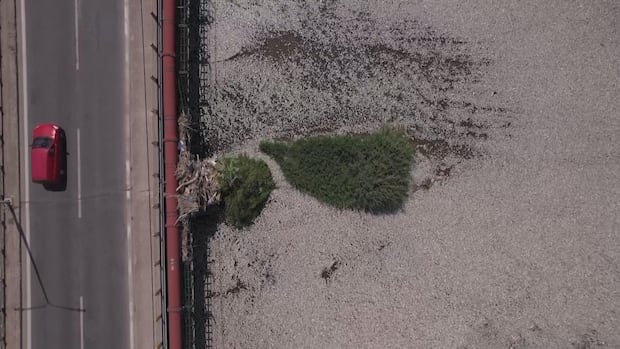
[511,236]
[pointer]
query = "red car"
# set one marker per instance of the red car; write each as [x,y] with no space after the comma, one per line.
[49,156]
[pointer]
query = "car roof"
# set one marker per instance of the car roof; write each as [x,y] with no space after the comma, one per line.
[39,164]
[45,130]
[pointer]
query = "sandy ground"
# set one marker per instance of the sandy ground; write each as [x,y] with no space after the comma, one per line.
[516,244]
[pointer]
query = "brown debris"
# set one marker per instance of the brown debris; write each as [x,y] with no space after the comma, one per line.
[197,182]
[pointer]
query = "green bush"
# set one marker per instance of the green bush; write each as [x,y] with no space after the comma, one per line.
[368,172]
[245,186]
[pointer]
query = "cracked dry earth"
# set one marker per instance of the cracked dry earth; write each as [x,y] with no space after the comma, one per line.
[510,236]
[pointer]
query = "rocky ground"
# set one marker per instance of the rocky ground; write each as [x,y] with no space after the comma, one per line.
[511,237]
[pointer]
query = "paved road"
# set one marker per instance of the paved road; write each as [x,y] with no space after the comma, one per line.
[80,246]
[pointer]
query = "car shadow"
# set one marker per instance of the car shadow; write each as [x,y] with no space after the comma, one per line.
[60,186]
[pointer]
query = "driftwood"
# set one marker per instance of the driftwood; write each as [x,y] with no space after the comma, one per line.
[198,186]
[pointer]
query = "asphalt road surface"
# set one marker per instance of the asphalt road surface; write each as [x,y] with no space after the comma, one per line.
[75,65]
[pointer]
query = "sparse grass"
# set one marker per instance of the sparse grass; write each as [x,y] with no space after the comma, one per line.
[245,186]
[367,172]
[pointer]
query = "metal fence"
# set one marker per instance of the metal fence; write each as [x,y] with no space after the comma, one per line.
[192,67]
[192,73]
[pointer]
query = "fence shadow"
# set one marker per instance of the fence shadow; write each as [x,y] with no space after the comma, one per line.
[203,227]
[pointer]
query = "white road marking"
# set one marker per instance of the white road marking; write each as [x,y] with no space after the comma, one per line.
[79,175]
[81,322]
[77,35]
[130,260]
[130,283]
[26,137]
[128,176]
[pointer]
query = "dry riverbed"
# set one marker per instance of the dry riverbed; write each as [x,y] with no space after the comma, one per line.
[510,238]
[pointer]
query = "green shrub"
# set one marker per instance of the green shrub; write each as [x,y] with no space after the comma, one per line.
[368,172]
[245,186]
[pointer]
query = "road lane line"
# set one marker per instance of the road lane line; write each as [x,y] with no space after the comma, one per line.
[130,283]
[130,255]
[77,35]
[79,175]
[128,176]
[25,140]
[81,322]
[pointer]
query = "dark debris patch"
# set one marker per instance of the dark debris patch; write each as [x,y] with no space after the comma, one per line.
[239,286]
[328,272]
[345,71]
[439,148]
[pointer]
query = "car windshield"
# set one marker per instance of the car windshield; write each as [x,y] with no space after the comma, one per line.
[42,142]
